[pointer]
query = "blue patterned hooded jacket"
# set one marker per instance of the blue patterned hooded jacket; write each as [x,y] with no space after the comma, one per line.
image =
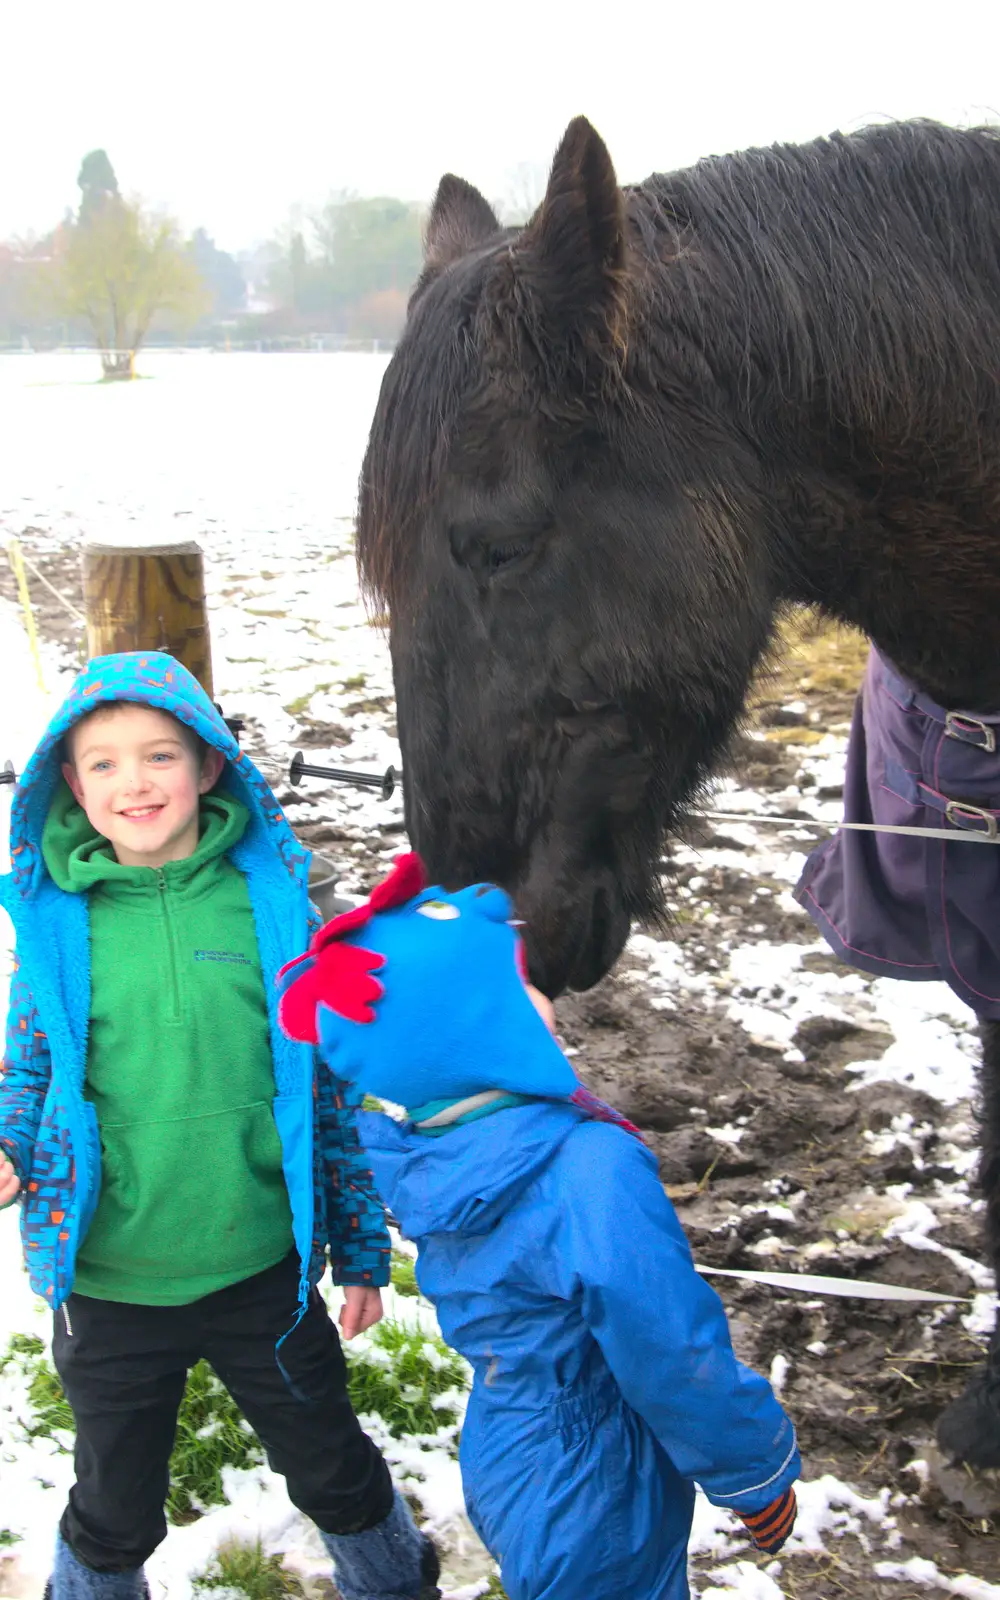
[47,1128]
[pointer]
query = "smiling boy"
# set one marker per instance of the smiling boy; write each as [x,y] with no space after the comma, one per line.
[184,1169]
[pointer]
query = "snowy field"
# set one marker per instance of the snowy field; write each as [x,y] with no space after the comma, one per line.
[258,457]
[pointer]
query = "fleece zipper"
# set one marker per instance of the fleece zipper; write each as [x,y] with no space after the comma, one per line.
[172,966]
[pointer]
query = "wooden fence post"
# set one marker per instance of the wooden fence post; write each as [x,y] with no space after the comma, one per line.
[148,597]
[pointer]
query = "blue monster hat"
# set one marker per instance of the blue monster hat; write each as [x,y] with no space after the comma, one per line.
[448,1015]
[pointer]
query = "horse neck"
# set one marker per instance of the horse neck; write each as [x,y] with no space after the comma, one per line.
[875,422]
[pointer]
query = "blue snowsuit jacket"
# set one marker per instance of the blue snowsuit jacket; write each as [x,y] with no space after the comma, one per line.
[605,1382]
[47,1128]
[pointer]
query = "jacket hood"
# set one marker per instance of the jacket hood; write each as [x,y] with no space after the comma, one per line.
[152,679]
[466,1180]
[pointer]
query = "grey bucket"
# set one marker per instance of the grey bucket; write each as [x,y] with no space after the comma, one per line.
[322,888]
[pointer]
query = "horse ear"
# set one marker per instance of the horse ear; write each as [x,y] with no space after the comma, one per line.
[574,246]
[460,219]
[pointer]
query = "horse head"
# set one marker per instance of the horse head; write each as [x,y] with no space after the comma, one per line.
[577,595]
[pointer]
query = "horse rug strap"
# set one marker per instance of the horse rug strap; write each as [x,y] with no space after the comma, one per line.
[912,905]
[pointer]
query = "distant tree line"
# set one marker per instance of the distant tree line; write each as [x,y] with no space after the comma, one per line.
[120,275]
[349,269]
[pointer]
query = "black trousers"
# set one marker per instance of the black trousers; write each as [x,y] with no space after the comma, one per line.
[124,1367]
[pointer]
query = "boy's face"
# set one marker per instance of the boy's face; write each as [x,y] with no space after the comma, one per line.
[137,774]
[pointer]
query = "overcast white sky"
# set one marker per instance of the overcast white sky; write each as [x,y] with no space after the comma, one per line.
[227,115]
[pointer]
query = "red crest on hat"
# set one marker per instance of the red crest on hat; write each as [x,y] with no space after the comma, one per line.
[340,975]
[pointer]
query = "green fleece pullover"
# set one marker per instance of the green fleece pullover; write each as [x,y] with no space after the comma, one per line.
[179,1067]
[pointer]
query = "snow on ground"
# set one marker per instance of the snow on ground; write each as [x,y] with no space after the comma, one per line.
[263,473]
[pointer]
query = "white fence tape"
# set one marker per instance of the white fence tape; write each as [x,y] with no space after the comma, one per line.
[847,1288]
[953,835]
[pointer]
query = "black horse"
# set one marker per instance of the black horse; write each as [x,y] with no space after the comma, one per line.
[612,444]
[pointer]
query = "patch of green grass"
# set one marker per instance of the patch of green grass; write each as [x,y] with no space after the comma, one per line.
[402,1389]
[398,1374]
[296,707]
[211,1432]
[7,1538]
[357,682]
[49,1404]
[23,1344]
[244,1570]
[403,1272]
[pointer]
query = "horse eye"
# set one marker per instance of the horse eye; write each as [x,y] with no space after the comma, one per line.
[503,555]
[488,548]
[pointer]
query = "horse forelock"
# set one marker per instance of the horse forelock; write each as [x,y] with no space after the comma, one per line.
[477,372]
[430,373]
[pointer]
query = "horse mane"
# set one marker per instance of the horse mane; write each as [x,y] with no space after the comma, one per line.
[854,280]
[845,290]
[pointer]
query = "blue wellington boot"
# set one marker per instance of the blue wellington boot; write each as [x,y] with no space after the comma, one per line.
[392,1561]
[71,1580]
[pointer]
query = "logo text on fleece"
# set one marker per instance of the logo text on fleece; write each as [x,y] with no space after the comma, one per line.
[232,957]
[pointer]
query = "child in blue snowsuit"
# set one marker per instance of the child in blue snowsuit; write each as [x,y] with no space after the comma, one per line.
[605,1382]
[185,1170]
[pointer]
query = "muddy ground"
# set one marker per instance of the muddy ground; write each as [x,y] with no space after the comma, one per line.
[865,1396]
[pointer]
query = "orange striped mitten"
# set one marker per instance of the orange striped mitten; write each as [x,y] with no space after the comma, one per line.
[770,1528]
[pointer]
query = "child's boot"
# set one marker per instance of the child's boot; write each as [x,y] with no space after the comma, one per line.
[392,1561]
[71,1580]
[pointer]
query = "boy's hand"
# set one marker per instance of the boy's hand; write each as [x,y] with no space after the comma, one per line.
[10,1183]
[543,1005]
[770,1528]
[361,1310]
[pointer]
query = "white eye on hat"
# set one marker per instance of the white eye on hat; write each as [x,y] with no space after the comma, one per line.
[439,911]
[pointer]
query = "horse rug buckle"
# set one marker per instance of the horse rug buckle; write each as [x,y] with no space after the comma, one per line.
[972,819]
[970,730]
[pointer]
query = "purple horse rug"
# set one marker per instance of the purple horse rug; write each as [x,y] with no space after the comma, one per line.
[894,905]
